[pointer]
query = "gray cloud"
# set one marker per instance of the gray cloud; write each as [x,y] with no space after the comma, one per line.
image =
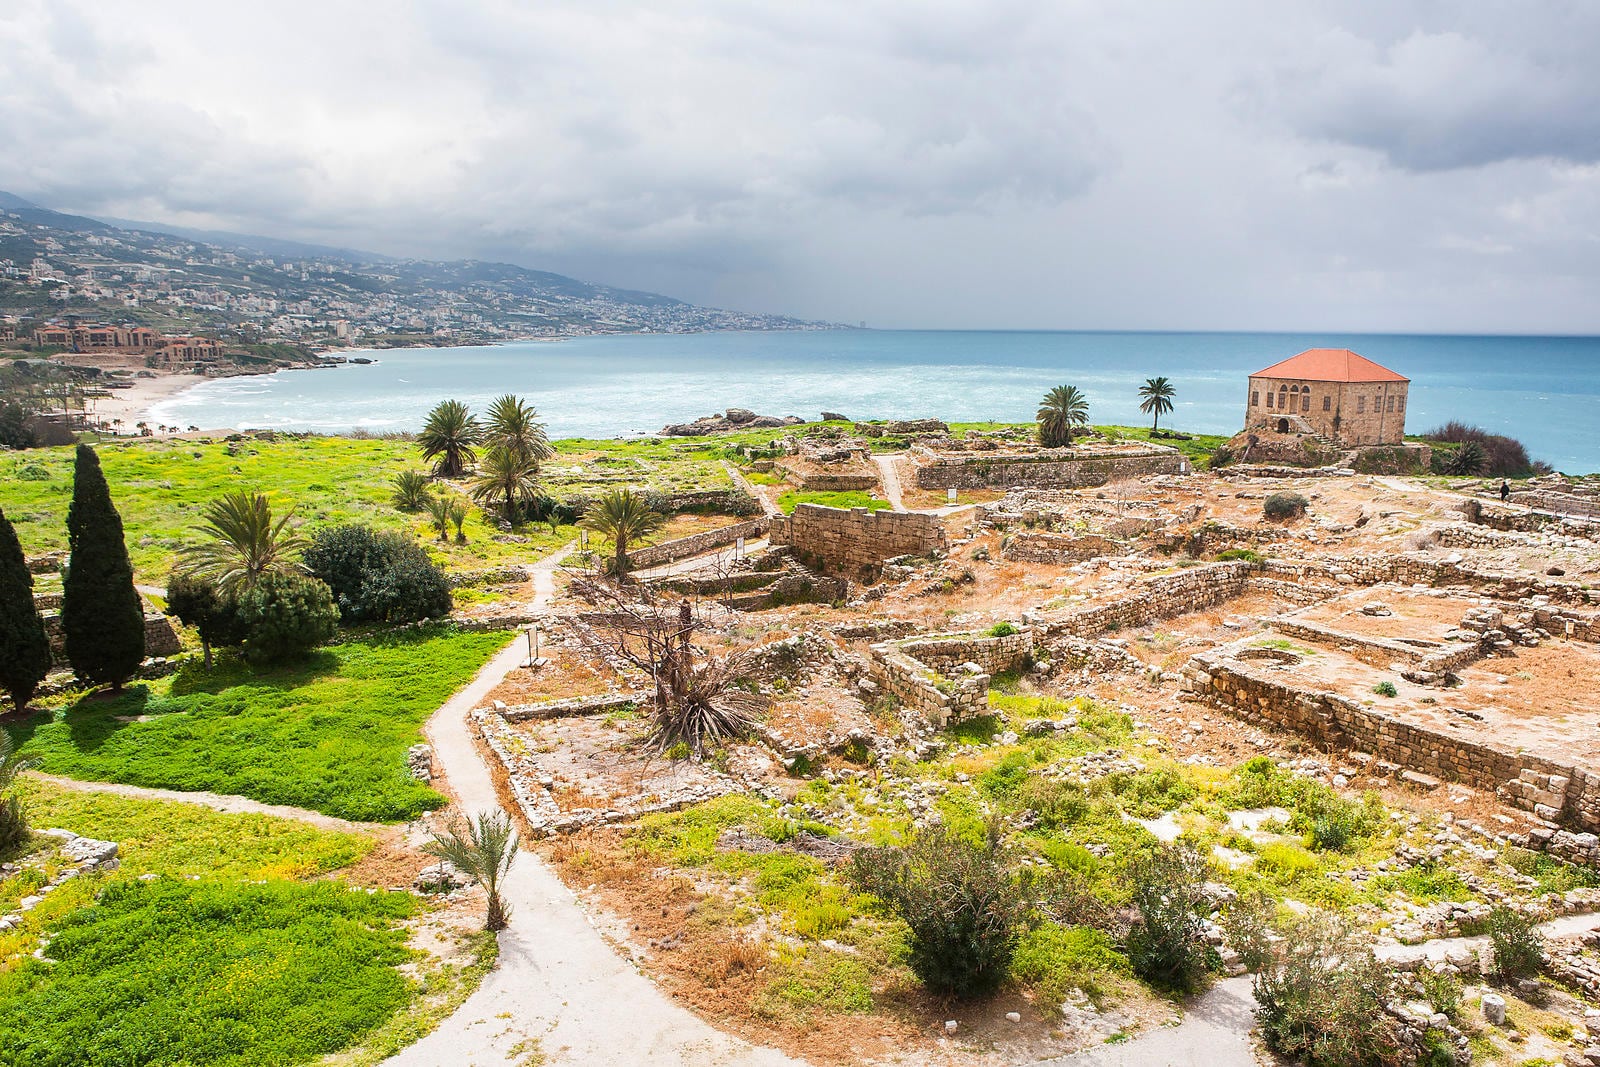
[949,163]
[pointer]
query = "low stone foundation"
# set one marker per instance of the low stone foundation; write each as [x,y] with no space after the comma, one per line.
[160,638]
[1060,548]
[913,671]
[1550,789]
[1161,597]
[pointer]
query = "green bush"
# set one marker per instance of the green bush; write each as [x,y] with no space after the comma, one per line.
[1320,999]
[1285,506]
[964,904]
[1243,555]
[178,972]
[1057,805]
[1386,689]
[1518,945]
[1056,959]
[410,490]
[1442,991]
[1000,629]
[285,616]
[378,577]
[1167,944]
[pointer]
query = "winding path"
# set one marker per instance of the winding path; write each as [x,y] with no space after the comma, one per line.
[1215,1032]
[223,802]
[557,980]
[891,480]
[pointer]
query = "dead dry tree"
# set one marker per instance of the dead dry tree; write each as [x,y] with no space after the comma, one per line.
[701,700]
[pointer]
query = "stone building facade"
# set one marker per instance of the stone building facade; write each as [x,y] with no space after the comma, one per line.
[1333,393]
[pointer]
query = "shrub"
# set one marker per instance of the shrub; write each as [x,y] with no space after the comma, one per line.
[1247,926]
[34,472]
[1386,689]
[1501,457]
[197,603]
[965,906]
[410,490]
[1000,629]
[1243,555]
[1441,990]
[378,577]
[1167,944]
[1285,506]
[1518,945]
[1320,999]
[13,816]
[1221,457]
[1057,805]
[285,616]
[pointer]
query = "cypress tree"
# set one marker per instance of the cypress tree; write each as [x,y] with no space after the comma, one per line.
[24,649]
[101,616]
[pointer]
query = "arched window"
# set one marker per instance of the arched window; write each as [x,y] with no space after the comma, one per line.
[1305,401]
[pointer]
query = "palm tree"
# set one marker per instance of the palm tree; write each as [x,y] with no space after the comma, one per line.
[514,426]
[1158,394]
[449,436]
[509,474]
[485,854]
[438,506]
[410,490]
[1062,410]
[244,544]
[623,516]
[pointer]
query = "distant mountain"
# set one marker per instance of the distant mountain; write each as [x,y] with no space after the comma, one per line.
[264,287]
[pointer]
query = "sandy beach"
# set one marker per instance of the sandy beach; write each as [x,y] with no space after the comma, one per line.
[133,405]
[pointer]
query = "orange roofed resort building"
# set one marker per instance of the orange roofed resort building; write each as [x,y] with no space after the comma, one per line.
[1332,393]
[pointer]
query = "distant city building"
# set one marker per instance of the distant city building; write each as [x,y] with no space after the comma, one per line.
[1332,393]
[128,340]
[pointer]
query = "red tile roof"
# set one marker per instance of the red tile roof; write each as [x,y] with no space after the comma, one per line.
[1330,365]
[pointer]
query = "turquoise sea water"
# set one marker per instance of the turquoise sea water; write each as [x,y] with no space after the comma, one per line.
[1542,390]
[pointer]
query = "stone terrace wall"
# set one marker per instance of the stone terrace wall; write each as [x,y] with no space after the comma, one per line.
[1512,520]
[1552,790]
[995,655]
[160,638]
[1558,503]
[695,544]
[1412,568]
[1160,597]
[1427,660]
[1055,468]
[1060,548]
[857,539]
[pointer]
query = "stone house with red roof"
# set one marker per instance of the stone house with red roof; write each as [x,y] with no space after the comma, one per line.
[1332,393]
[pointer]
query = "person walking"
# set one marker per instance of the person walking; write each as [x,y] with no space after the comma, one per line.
[1505,490]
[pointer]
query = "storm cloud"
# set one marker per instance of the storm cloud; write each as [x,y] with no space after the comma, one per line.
[1408,166]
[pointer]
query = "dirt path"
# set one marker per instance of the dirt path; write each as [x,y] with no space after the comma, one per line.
[224,802]
[744,483]
[558,981]
[1215,1032]
[891,482]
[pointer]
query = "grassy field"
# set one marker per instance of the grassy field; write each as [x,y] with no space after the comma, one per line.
[160,487]
[330,734]
[222,958]
[849,498]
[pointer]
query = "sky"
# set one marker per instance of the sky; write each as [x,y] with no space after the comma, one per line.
[1392,165]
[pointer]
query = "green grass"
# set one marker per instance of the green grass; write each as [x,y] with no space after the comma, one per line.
[848,498]
[329,734]
[171,838]
[221,959]
[178,972]
[160,487]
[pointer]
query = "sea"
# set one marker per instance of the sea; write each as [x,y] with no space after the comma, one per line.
[1541,390]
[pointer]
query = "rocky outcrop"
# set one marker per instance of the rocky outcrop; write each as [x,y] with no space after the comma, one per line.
[728,421]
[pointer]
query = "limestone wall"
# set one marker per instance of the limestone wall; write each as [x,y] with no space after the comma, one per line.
[995,655]
[1550,789]
[1060,548]
[695,544]
[1353,413]
[1050,468]
[160,638]
[1558,503]
[857,539]
[1427,659]
[932,674]
[1161,597]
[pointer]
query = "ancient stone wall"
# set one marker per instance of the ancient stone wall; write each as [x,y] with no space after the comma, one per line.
[1558,503]
[160,638]
[1550,789]
[1161,597]
[857,539]
[1047,468]
[693,545]
[1513,520]
[995,655]
[1060,548]
[1427,659]
[934,675]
